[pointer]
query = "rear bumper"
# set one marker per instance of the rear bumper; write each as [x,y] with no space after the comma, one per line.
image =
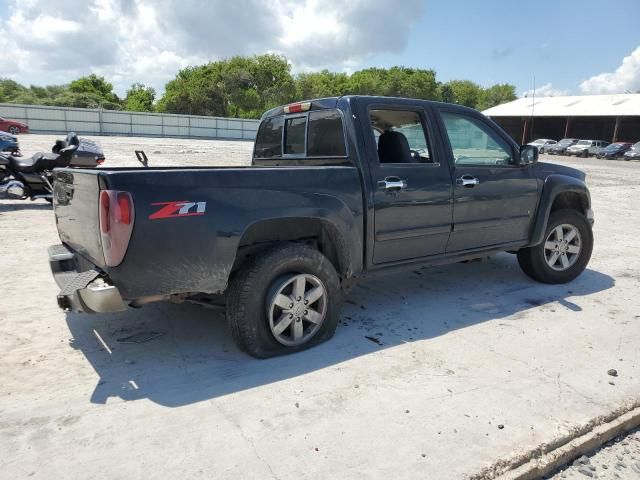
[82,289]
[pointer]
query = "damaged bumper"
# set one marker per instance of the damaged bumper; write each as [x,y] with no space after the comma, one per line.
[82,289]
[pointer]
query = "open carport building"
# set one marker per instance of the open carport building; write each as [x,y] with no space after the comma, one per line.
[614,118]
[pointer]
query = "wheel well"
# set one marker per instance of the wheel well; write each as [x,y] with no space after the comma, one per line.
[570,200]
[315,232]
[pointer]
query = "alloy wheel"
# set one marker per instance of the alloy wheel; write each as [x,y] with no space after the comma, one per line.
[562,247]
[296,308]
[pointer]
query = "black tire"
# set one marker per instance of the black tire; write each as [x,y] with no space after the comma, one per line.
[13,130]
[250,287]
[532,259]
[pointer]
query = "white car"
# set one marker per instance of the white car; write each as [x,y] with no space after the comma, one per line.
[586,148]
[542,144]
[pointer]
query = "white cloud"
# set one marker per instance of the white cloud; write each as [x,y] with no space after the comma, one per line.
[54,41]
[321,33]
[546,90]
[626,78]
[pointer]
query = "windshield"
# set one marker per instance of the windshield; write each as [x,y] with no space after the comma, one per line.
[636,147]
[584,142]
[540,141]
[565,141]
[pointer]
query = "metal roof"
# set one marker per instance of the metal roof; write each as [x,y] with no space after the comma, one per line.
[627,104]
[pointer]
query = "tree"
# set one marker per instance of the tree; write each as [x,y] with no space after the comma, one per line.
[446,93]
[240,87]
[94,90]
[10,89]
[139,98]
[496,95]
[245,87]
[321,84]
[395,82]
[464,92]
[195,91]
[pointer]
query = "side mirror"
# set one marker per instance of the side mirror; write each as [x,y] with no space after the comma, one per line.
[528,155]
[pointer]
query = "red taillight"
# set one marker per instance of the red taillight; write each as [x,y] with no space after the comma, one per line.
[99,161]
[297,107]
[105,207]
[117,214]
[124,208]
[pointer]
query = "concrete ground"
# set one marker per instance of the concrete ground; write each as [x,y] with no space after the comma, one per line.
[473,367]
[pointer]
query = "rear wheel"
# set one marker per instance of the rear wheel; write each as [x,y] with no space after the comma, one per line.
[284,301]
[565,251]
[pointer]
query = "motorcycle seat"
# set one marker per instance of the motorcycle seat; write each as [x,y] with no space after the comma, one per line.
[37,162]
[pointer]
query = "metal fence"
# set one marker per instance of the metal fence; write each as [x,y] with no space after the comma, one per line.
[60,120]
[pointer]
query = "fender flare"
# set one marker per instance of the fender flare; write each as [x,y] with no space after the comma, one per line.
[555,185]
[336,219]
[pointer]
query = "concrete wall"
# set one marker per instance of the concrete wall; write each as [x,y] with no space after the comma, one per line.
[60,120]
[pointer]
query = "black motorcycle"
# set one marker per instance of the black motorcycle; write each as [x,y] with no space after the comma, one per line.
[22,178]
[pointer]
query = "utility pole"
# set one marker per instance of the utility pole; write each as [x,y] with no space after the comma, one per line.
[533,105]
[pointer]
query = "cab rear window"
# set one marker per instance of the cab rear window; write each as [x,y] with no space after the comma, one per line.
[269,138]
[318,133]
[294,135]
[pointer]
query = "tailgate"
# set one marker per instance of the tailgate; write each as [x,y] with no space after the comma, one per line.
[75,200]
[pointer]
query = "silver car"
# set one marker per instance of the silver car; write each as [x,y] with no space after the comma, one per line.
[586,148]
[633,153]
[542,144]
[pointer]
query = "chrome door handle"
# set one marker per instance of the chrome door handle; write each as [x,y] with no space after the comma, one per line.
[392,184]
[467,181]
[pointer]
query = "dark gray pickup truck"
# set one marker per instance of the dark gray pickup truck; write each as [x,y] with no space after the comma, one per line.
[338,188]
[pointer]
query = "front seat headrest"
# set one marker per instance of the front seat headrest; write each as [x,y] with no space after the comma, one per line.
[393,147]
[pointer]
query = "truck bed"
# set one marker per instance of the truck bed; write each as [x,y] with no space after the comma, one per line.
[195,252]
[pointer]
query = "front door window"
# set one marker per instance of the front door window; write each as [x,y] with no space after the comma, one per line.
[474,144]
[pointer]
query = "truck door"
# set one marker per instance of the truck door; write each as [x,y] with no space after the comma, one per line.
[494,199]
[412,189]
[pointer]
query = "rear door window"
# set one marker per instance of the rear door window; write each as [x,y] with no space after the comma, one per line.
[325,137]
[400,136]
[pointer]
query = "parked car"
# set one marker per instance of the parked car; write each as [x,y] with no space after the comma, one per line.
[633,153]
[9,143]
[560,148]
[280,242]
[615,150]
[586,148]
[542,144]
[12,126]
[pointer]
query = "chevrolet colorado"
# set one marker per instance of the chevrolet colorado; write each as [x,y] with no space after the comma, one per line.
[338,188]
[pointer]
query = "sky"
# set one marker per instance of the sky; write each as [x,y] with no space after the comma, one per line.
[570,46]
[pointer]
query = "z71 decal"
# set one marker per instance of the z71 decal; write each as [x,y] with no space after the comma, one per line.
[182,208]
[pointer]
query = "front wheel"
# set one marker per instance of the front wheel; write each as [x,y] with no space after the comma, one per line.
[565,251]
[283,301]
[13,130]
